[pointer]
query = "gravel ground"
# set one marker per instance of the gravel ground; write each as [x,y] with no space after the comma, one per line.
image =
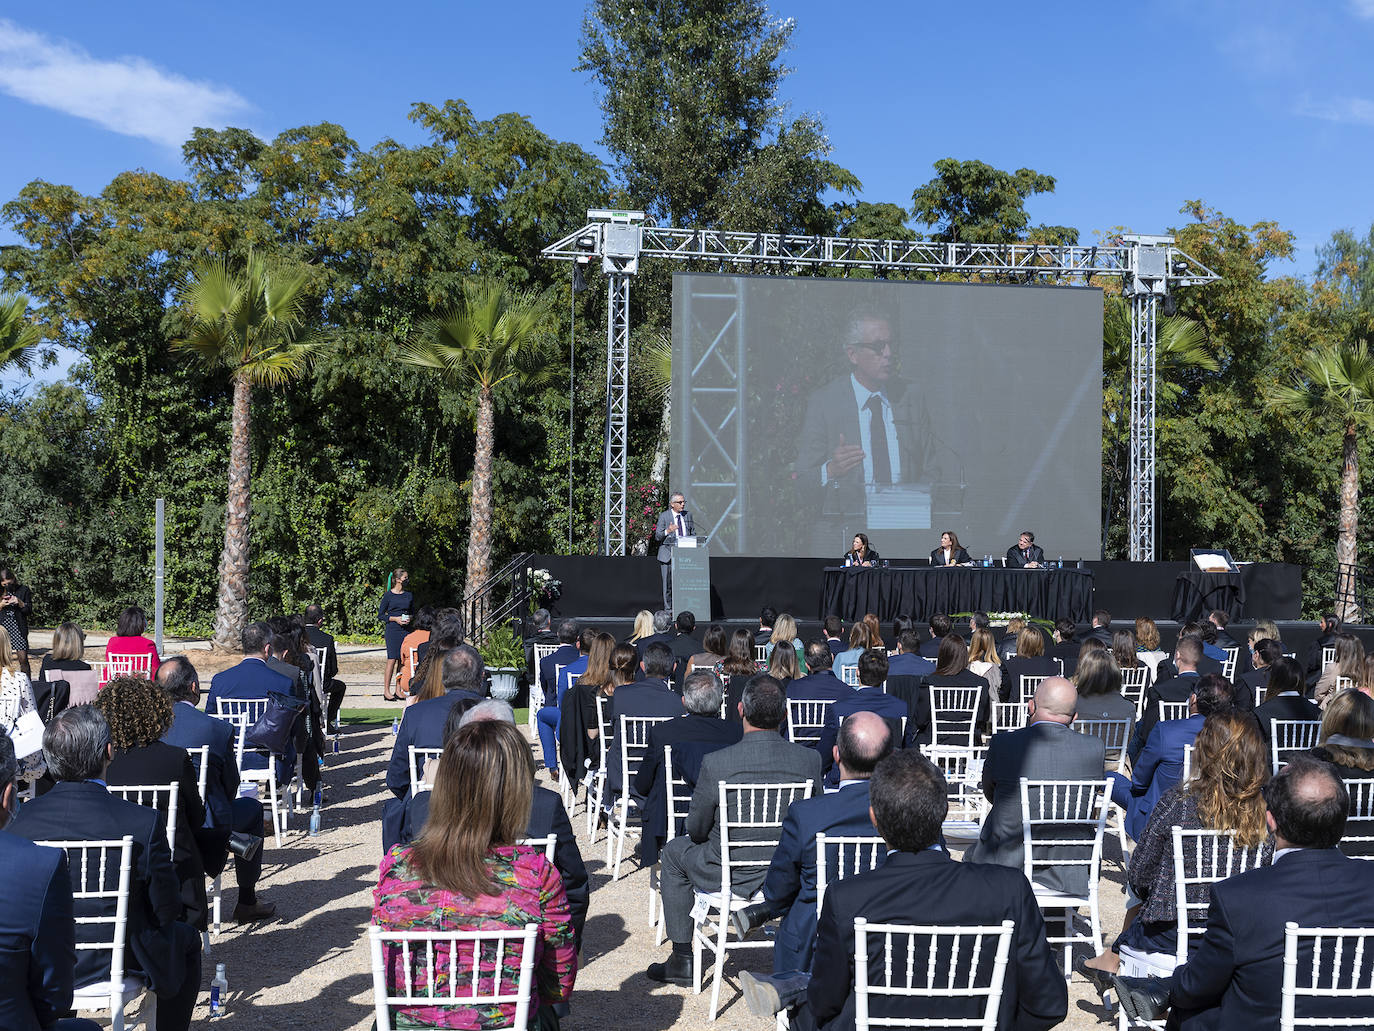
[310,967]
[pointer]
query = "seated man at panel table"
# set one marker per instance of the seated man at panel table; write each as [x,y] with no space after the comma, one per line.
[789,890]
[1160,763]
[1234,977]
[547,815]
[692,862]
[37,927]
[1047,748]
[159,947]
[693,735]
[820,684]
[869,696]
[225,812]
[1025,553]
[918,884]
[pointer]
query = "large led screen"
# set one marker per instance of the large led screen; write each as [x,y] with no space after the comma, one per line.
[805,411]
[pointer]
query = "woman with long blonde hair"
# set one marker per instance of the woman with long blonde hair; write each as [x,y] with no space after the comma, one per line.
[785,632]
[644,626]
[984,660]
[466,872]
[1225,793]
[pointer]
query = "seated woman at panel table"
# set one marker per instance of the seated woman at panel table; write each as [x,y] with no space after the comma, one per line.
[950,552]
[466,872]
[861,554]
[1230,768]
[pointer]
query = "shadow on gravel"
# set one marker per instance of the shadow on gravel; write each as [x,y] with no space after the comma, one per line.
[603,934]
[305,1013]
[632,1006]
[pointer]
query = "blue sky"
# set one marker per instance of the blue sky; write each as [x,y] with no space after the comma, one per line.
[1263,110]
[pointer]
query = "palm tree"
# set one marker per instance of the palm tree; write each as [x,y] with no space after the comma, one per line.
[495,336]
[250,323]
[658,365]
[1337,381]
[19,338]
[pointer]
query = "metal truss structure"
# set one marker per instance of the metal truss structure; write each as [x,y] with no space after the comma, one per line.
[1150,266]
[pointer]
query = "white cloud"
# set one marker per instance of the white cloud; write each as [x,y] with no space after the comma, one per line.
[1347,110]
[1363,8]
[127,95]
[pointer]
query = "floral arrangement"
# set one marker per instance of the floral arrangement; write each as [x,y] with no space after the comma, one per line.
[544,587]
[1003,618]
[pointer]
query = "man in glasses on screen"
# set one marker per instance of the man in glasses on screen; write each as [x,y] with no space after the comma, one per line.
[862,434]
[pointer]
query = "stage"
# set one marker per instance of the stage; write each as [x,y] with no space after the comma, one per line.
[617,588]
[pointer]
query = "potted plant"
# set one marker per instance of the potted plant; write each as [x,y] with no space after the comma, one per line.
[504,654]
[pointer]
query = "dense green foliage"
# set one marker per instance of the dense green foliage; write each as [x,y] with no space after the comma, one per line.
[367,462]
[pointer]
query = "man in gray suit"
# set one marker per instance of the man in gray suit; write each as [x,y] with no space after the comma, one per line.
[692,861]
[1045,749]
[674,523]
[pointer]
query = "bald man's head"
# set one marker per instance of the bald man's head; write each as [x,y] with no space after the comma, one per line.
[864,741]
[1056,701]
[1308,803]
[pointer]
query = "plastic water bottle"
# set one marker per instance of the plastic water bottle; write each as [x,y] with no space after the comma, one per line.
[395,724]
[315,817]
[336,744]
[219,993]
[1061,562]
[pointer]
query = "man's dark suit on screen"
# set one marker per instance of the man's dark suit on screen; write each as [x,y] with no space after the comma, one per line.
[157,943]
[693,860]
[1234,976]
[791,876]
[1040,751]
[547,816]
[931,888]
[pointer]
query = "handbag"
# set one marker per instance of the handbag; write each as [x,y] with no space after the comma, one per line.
[275,728]
[27,734]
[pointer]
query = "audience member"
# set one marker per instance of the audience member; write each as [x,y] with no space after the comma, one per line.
[922,885]
[1006,647]
[251,678]
[446,633]
[643,628]
[323,642]
[869,696]
[789,889]
[541,623]
[1264,629]
[419,634]
[1102,627]
[1207,630]
[821,683]
[1253,682]
[227,814]
[565,653]
[1234,976]
[549,719]
[1046,748]
[736,669]
[663,631]
[785,632]
[466,871]
[1066,645]
[1098,681]
[834,631]
[767,616]
[684,645]
[1349,663]
[649,697]
[1147,645]
[715,644]
[139,713]
[547,815]
[16,701]
[859,639]
[1179,688]
[1283,699]
[940,626]
[1124,650]
[1160,763]
[68,647]
[129,639]
[908,662]
[783,666]
[692,861]
[158,945]
[422,725]
[1030,660]
[1220,619]
[986,663]
[1328,628]
[1230,769]
[1346,738]
[951,670]
[37,927]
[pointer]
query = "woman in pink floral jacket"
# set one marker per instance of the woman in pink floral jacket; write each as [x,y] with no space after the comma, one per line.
[465,872]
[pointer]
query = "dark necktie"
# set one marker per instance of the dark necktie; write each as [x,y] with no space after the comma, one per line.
[877,441]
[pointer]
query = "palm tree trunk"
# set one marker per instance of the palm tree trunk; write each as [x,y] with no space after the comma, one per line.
[665,433]
[231,612]
[479,530]
[1345,538]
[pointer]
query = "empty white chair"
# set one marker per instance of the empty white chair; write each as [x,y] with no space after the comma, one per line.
[596,778]
[1187,764]
[963,772]
[1115,735]
[1133,682]
[1008,716]
[200,759]
[1328,656]
[1340,968]
[1228,666]
[805,718]
[162,797]
[1051,812]
[756,811]
[135,664]
[678,802]
[850,675]
[1287,736]
[549,843]
[453,969]
[1028,684]
[952,715]
[929,962]
[634,743]
[761,653]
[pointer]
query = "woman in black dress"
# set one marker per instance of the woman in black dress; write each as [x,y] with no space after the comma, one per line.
[394,612]
[16,606]
[862,554]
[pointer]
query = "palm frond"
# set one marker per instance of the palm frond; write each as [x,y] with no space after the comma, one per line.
[19,338]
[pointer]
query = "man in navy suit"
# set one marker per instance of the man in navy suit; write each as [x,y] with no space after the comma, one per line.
[868,696]
[251,678]
[648,697]
[790,886]
[820,684]
[1160,763]
[422,725]
[940,624]
[159,946]
[919,884]
[834,630]
[909,662]
[1234,977]
[37,926]
[565,653]
[1177,689]
[225,811]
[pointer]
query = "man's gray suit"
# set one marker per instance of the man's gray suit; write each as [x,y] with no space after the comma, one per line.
[666,542]
[692,861]
[1041,751]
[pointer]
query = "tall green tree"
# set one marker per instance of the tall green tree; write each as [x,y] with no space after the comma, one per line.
[19,338]
[1346,264]
[691,112]
[973,202]
[495,338]
[249,323]
[1337,382]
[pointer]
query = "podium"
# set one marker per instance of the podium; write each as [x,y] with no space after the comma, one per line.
[692,578]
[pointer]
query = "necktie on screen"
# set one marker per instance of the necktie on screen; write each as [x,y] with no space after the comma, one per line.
[877,441]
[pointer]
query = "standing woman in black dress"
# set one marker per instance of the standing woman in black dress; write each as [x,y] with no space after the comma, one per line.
[16,606]
[394,612]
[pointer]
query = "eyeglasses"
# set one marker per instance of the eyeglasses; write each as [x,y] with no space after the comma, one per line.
[876,346]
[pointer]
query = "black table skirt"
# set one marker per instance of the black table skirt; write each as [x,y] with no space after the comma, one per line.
[1197,593]
[922,591]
